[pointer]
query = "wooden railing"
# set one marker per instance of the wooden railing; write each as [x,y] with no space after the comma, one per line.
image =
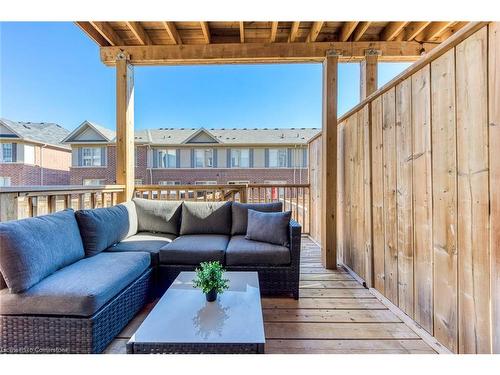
[22,202]
[295,197]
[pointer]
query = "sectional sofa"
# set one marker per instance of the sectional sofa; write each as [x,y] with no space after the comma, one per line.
[71,281]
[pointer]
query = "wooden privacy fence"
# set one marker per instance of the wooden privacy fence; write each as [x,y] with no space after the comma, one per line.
[419,191]
[22,202]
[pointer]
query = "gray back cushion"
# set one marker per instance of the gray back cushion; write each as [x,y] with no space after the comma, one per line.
[240,214]
[158,216]
[32,249]
[102,227]
[206,218]
[132,218]
[271,227]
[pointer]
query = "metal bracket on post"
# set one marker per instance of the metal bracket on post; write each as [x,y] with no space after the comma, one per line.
[333,53]
[373,52]
[122,56]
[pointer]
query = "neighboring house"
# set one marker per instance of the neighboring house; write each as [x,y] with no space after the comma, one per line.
[32,154]
[194,156]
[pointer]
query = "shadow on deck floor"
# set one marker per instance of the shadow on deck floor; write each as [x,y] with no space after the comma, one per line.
[335,314]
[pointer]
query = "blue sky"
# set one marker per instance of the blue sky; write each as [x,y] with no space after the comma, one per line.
[61,79]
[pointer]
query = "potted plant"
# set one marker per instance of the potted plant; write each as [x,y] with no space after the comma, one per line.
[209,278]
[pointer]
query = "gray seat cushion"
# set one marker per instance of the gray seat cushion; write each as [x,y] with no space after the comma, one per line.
[80,289]
[158,216]
[243,252]
[272,227]
[194,249]
[146,242]
[206,218]
[32,249]
[102,227]
[240,214]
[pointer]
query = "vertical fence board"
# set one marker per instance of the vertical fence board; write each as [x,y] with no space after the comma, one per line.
[348,192]
[390,205]
[444,183]
[422,197]
[404,149]
[378,195]
[367,186]
[341,194]
[473,195]
[494,122]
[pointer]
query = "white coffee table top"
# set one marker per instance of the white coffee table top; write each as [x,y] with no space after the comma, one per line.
[183,315]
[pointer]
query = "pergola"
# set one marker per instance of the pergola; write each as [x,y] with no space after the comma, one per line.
[129,43]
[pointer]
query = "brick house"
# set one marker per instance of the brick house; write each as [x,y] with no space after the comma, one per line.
[194,156]
[32,154]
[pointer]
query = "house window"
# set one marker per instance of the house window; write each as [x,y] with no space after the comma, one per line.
[167,158]
[205,182]
[277,158]
[138,181]
[91,156]
[169,182]
[203,158]
[6,153]
[4,181]
[238,182]
[240,158]
[94,181]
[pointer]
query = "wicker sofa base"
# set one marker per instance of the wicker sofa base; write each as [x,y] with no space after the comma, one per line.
[162,348]
[65,334]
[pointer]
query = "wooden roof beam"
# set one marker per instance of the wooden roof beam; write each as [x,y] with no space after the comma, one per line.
[242,32]
[392,30]
[413,29]
[347,30]
[172,32]
[108,33]
[434,30]
[274,31]
[206,31]
[315,30]
[294,31]
[139,32]
[360,31]
[92,32]
[265,52]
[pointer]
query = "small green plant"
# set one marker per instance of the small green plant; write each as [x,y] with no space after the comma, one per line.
[210,276]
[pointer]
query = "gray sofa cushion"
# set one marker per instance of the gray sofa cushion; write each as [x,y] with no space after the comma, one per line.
[243,252]
[194,249]
[102,227]
[146,242]
[132,218]
[158,216]
[79,289]
[206,218]
[32,249]
[240,214]
[272,227]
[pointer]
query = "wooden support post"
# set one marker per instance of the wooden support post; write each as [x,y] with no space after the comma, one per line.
[369,70]
[329,163]
[124,126]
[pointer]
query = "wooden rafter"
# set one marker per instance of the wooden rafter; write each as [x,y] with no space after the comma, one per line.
[274,31]
[315,30]
[172,32]
[92,32]
[242,32]
[347,30]
[294,31]
[392,30]
[107,32]
[434,30]
[206,31]
[360,31]
[139,32]
[415,28]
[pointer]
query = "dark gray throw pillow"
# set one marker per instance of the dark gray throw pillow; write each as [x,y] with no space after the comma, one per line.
[271,227]
[32,249]
[206,218]
[240,214]
[102,227]
[158,216]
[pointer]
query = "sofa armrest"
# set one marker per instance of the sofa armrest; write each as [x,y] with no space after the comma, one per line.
[295,239]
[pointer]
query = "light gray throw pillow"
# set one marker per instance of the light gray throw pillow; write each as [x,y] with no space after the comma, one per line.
[271,227]
[240,214]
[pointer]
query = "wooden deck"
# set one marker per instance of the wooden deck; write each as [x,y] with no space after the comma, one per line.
[335,314]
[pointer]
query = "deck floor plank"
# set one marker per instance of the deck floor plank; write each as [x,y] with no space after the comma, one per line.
[334,315]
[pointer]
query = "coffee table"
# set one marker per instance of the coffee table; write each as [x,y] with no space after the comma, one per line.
[184,322]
